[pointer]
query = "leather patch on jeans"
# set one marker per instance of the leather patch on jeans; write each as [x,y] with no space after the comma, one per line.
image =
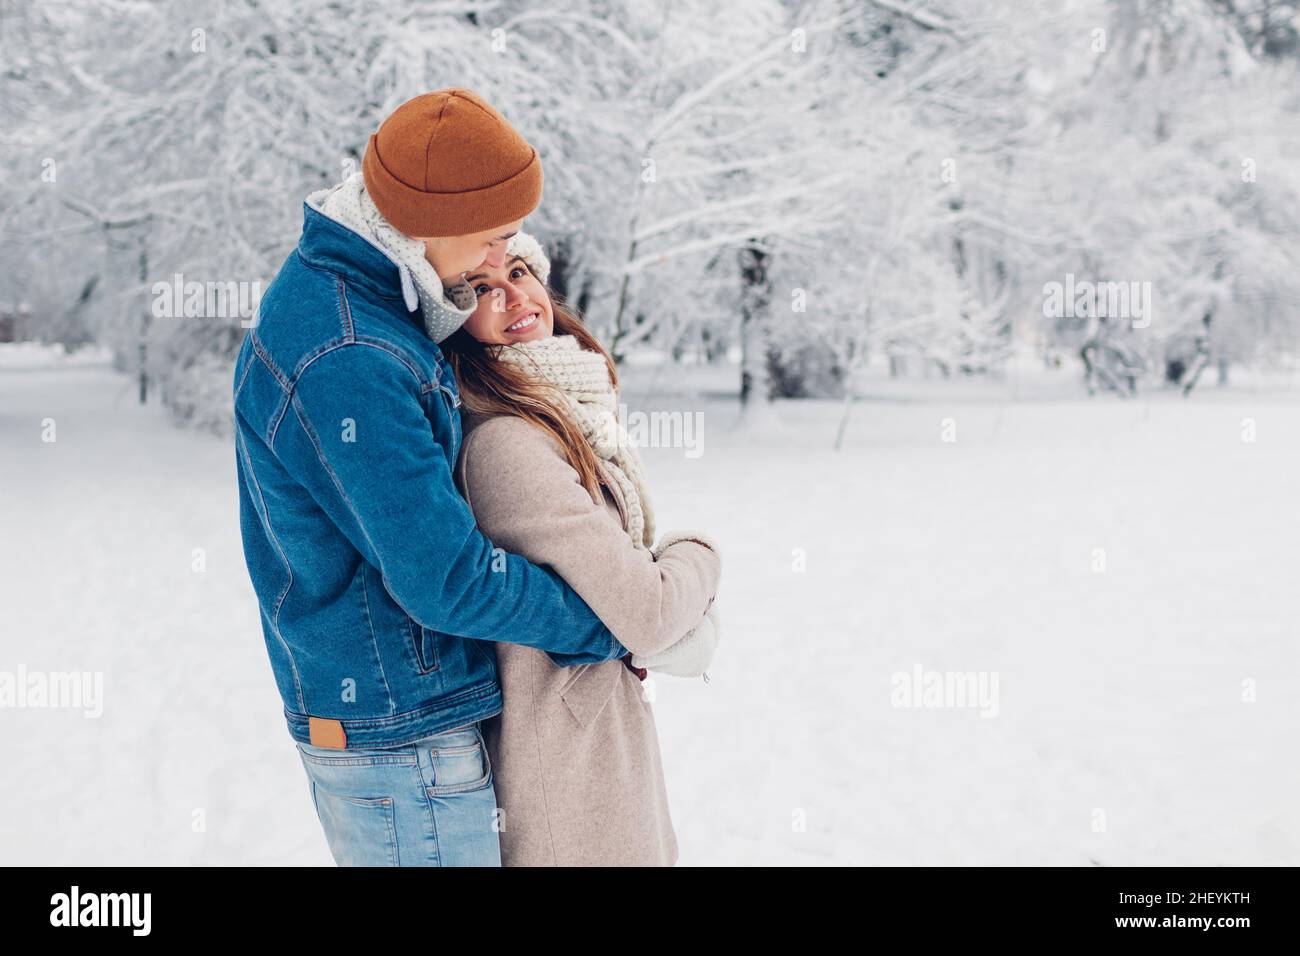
[327,733]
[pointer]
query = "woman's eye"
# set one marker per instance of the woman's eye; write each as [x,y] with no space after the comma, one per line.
[517,272]
[480,289]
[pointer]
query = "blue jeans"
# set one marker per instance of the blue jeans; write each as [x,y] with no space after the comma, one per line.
[430,803]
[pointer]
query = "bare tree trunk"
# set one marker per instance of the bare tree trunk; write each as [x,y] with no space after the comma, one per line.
[620,331]
[1202,358]
[146,320]
[755,303]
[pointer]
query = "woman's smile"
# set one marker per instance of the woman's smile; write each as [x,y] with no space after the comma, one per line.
[525,324]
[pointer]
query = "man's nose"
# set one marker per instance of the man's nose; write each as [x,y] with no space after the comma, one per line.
[496,256]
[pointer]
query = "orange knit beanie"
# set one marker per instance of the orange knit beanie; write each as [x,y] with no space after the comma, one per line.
[447,164]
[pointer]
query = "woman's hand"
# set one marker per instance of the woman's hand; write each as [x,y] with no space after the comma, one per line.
[676,537]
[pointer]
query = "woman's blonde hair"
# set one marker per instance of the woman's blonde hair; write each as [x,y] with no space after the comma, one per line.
[490,387]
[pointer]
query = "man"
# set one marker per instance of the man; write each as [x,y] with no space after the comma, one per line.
[376,588]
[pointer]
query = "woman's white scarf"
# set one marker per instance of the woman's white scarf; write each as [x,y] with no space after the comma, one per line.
[581,379]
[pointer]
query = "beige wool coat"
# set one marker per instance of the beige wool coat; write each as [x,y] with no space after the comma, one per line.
[575,756]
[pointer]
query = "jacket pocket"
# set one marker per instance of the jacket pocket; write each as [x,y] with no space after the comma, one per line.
[451,400]
[442,407]
[587,693]
[425,644]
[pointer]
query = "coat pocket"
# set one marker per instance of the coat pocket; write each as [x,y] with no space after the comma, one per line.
[587,693]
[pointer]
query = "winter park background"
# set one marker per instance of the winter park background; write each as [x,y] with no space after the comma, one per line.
[845,253]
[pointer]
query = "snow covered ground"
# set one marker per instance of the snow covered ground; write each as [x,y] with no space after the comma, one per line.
[1124,733]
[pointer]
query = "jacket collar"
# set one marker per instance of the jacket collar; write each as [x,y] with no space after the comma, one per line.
[331,246]
[348,206]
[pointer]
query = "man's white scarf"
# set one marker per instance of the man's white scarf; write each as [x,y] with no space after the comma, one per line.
[443,311]
[582,380]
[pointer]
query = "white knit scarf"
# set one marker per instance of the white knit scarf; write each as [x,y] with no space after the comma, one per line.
[581,379]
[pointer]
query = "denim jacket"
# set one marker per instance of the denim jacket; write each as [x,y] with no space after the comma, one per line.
[378,593]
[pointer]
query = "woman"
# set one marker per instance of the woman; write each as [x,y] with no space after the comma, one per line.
[549,474]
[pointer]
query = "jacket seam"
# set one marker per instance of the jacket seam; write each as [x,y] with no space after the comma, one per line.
[455,399]
[273,427]
[374,640]
[273,424]
[397,354]
[239,386]
[377,344]
[260,351]
[265,516]
[465,443]
[442,704]
[345,311]
[316,353]
[325,270]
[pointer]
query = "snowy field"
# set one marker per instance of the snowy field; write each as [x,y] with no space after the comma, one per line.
[1125,730]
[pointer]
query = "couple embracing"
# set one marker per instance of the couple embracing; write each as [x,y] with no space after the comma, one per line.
[450,538]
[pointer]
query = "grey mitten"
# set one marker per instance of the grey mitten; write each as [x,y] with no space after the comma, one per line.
[689,656]
[461,293]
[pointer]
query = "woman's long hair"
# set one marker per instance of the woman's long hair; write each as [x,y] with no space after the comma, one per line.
[491,387]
